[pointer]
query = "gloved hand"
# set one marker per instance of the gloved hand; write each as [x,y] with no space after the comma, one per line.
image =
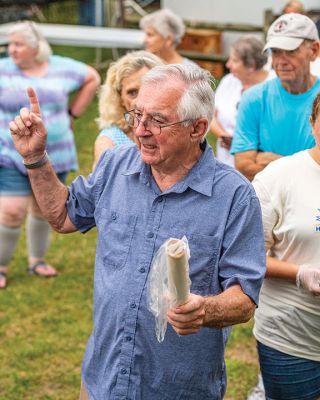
[308,276]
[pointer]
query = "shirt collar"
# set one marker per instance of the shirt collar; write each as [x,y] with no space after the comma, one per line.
[137,166]
[200,178]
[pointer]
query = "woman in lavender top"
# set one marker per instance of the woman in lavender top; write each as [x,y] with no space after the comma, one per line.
[30,63]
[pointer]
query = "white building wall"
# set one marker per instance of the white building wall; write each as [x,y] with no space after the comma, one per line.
[230,11]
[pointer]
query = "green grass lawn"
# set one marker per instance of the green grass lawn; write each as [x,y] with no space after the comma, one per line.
[44,324]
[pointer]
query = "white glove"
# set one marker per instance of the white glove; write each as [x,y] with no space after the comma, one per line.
[308,276]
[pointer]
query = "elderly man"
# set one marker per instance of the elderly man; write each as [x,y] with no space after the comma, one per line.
[273,117]
[170,185]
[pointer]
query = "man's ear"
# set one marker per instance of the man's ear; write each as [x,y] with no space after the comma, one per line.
[312,124]
[199,128]
[315,50]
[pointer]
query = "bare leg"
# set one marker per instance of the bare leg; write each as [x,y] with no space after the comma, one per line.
[38,239]
[12,212]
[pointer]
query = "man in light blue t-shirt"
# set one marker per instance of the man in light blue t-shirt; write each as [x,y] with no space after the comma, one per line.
[273,117]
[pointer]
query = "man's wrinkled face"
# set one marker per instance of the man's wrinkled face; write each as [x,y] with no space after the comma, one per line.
[291,66]
[158,102]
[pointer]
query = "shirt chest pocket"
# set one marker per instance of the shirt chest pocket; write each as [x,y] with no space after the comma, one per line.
[203,262]
[115,237]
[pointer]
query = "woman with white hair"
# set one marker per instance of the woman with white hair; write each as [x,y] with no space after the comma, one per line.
[31,63]
[117,95]
[163,32]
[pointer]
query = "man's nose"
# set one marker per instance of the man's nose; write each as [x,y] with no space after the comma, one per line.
[141,130]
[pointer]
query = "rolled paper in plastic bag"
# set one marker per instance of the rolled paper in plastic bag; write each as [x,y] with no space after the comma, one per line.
[178,271]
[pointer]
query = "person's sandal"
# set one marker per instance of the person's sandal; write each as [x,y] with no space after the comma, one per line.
[33,269]
[3,276]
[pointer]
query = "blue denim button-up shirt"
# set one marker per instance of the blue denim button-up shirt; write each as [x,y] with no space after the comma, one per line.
[218,211]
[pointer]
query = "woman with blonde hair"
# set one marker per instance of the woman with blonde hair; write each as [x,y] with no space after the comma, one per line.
[117,95]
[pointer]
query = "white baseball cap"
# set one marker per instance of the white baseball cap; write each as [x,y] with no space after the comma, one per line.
[289,31]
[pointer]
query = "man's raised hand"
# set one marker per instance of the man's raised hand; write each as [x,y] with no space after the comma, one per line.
[28,131]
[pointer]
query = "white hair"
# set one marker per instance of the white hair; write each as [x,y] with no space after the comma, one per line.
[197,100]
[34,38]
[165,22]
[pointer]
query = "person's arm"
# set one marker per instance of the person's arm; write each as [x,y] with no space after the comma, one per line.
[305,275]
[101,144]
[217,129]
[30,137]
[222,135]
[86,92]
[230,307]
[268,189]
[246,146]
[241,271]
[250,162]
[51,196]
[281,269]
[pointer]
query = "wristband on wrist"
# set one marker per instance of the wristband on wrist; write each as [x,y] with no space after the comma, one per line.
[71,114]
[43,160]
[298,282]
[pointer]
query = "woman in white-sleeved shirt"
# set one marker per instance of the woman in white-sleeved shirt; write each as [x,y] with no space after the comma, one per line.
[163,31]
[287,322]
[246,63]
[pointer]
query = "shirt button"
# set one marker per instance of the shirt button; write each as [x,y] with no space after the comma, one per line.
[133,305]
[142,270]
[128,338]
[150,235]
[113,216]
[123,371]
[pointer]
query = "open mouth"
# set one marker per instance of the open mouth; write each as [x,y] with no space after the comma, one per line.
[149,146]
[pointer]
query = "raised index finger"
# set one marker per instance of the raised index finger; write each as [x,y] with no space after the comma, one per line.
[34,103]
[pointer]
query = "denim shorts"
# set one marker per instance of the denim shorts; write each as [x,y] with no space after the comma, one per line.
[287,377]
[14,183]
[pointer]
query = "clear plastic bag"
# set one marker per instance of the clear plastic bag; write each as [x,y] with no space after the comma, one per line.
[169,282]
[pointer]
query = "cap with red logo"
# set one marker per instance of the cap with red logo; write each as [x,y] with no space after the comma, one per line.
[289,31]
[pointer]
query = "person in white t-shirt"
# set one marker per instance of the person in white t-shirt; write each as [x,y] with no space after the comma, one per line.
[246,63]
[287,322]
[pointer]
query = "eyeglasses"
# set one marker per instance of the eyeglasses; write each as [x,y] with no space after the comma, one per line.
[134,118]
